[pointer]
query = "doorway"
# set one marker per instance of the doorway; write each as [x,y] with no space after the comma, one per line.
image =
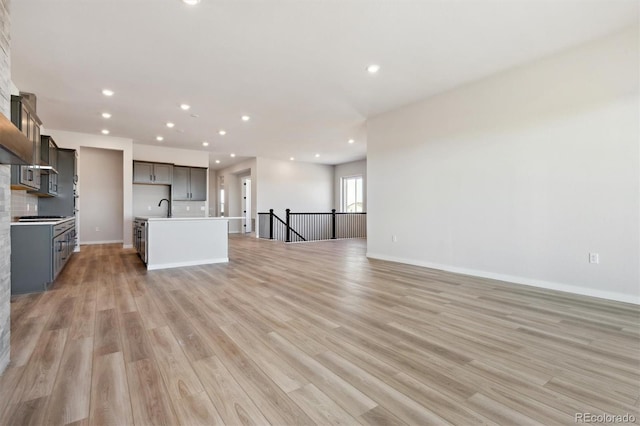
[246,205]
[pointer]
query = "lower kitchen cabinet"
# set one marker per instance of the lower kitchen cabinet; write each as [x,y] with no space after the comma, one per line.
[39,251]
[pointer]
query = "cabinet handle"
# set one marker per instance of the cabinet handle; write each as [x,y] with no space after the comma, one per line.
[151,178]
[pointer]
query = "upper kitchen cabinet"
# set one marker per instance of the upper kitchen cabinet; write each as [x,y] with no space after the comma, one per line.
[24,117]
[48,168]
[189,184]
[152,173]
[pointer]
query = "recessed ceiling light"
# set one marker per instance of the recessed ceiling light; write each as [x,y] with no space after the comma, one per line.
[291,158]
[245,118]
[350,141]
[159,138]
[373,68]
[317,155]
[222,132]
[107,92]
[106,115]
[191,2]
[170,124]
[185,107]
[232,155]
[105,132]
[217,161]
[205,143]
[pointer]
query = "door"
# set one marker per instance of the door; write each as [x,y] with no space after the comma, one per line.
[246,204]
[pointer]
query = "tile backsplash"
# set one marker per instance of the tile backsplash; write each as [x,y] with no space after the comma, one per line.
[147,197]
[23,204]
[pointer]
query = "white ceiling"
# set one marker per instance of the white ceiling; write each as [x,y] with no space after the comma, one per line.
[297,67]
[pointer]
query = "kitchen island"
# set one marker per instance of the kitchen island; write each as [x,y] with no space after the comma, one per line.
[181,241]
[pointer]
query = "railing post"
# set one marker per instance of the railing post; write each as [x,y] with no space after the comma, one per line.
[288,240]
[271,224]
[333,224]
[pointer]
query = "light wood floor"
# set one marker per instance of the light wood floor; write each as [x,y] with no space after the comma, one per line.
[310,334]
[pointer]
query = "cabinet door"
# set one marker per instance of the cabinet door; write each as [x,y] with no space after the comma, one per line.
[35,137]
[180,186]
[198,189]
[53,155]
[162,173]
[24,120]
[142,172]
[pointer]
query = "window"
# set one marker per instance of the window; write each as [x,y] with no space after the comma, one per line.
[222,202]
[352,194]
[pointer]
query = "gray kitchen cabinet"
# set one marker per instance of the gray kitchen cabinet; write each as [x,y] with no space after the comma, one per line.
[39,251]
[152,173]
[64,204]
[48,168]
[189,184]
[25,119]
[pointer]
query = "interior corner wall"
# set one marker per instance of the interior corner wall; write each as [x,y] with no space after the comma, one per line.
[101,206]
[354,168]
[301,187]
[519,176]
[74,140]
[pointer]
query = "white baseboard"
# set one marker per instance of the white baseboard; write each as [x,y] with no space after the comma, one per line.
[190,263]
[549,285]
[90,243]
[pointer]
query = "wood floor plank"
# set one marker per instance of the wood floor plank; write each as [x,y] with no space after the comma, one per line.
[135,341]
[197,410]
[322,409]
[354,401]
[231,401]
[310,334]
[110,402]
[149,398]
[107,339]
[70,398]
[176,371]
[40,375]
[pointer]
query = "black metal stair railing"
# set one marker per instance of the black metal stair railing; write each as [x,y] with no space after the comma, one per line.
[313,226]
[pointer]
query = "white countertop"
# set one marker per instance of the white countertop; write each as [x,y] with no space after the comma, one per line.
[163,218]
[44,222]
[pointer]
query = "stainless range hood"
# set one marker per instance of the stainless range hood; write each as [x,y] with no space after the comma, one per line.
[15,148]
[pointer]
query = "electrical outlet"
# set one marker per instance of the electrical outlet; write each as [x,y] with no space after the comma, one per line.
[187,208]
[394,238]
[149,208]
[28,207]
[97,229]
[202,208]
[594,258]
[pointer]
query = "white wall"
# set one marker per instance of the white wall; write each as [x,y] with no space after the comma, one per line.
[73,140]
[519,176]
[301,187]
[101,207]
[177,156]
[354,168]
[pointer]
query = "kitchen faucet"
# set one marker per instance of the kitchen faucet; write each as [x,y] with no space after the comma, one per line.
[168,206]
